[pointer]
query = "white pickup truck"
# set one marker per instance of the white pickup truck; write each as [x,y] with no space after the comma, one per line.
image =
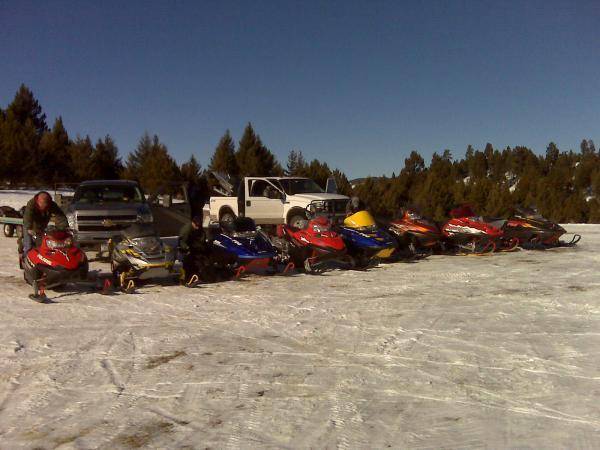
[276,200]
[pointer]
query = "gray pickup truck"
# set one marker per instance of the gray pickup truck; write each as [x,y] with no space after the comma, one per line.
[100,209]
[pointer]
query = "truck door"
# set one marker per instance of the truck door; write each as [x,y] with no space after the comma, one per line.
[264,202]
[171,211]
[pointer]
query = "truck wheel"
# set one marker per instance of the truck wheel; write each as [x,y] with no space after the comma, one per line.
[297,219]
[19,229]
[9,230]
[227,217]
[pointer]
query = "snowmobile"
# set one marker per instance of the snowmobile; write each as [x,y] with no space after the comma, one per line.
[240,247]
[138,254]
[365,241]
[532,230]
[55,262]
[419,235]
[467,233]
[313,247]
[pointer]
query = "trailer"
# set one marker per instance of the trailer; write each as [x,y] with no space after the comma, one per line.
[12,225]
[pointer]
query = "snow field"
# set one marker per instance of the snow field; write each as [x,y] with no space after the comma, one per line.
[449,352]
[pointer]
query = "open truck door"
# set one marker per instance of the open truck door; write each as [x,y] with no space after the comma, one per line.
[171,209]
[264,201]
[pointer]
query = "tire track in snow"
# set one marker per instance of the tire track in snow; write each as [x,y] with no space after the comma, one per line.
[236,439]
[123,398]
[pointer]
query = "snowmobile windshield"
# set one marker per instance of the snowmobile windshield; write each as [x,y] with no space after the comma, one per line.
[530,213]
[361,220]
[103,194]
[147,244]
[240,227]
[292,186]
[412,215]
[58,240]
[139,230]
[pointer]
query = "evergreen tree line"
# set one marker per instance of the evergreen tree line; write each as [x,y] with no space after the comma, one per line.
[565,186]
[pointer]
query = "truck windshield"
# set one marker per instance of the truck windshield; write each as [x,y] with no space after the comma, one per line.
[101,194]
[300,186]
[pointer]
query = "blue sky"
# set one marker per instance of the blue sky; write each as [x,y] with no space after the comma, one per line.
[356,84]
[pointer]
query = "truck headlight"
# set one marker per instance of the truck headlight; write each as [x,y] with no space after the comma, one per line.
[319,205]
[72,221]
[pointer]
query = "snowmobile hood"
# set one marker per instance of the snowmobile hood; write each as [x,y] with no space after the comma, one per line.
[415,223]
[470,226]
[361,219]
[57,251]
[372,238]
[245,248]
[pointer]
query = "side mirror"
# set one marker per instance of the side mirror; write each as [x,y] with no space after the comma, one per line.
[331,186]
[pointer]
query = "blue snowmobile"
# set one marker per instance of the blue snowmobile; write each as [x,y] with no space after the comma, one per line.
[240,247]
[366,243]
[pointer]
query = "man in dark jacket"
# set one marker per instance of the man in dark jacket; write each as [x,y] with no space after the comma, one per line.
[196,251]
[38,212]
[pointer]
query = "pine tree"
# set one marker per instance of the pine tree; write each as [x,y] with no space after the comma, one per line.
[105,163]
[25,107]
[81,151]
[253,158]
[341,180]
[223,159]
[319,172]
[552,153]
[53,158]
[436,194]
[152,166]
[191,171]
[587,147]
[296,165]
[21,129]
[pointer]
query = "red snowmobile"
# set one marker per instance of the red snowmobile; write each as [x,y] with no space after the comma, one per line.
[471,234]
[56,261]
[313,247]
[414,232]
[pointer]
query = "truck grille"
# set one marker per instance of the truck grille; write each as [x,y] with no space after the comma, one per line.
[337,206]
[123,217]
[117,227]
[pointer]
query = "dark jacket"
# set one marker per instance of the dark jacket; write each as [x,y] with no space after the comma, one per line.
[192,240]
[36,220]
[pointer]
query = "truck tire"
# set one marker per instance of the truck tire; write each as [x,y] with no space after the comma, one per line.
[226,216]
[19,229]
[296,218]
[9,230]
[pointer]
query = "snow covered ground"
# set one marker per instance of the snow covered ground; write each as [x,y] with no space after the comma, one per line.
[449,352]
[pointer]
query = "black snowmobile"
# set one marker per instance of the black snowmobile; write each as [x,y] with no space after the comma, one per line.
[138,254]
[534,231]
